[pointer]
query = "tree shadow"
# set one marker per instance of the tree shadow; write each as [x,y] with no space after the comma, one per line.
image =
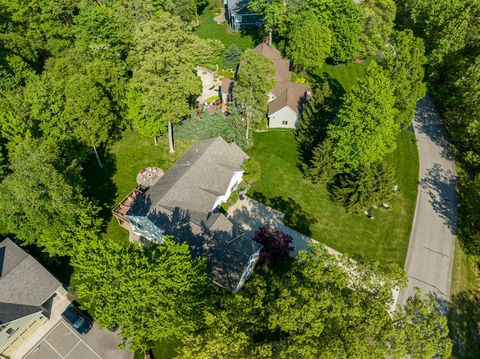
[99,183]
[293,214]
[440,185]
[464,324]
[427,122]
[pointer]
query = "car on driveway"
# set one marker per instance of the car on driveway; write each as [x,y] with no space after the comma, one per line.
[77,319]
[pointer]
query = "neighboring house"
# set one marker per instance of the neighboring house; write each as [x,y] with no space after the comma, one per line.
[184,203]
[287,98]
[27,290]
[239,17]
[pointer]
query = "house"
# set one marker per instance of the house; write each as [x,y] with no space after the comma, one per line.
[287,98]
[239,17]
[184,203]
[27,292]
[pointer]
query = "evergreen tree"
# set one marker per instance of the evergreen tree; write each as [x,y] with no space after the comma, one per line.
[364,189]
[231,56]
[321,168]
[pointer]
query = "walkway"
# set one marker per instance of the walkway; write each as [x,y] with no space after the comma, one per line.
[430,253]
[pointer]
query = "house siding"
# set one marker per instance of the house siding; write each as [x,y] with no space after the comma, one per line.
[276,120]
[20,330]
[234,182]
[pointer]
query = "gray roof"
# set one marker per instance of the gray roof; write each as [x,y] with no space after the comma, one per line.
[236,5]
[10,312]
[24,283]
[195,181]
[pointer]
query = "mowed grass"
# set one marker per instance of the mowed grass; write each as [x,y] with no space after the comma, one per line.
[209,29]
[282,185]
[464,310]
[125,159]
[347,75]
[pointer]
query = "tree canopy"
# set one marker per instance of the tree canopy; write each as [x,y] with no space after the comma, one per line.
[364,130]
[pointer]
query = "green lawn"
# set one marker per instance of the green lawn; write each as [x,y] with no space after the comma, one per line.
[464,311]
[346,74]
[309,210]
[124,159]
[209,29]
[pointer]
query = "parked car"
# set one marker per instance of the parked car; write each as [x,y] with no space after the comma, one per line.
[77,319]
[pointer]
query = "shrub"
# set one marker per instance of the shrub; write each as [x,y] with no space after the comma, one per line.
[276,245]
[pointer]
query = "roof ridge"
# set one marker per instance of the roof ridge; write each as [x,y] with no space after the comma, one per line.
[29,257]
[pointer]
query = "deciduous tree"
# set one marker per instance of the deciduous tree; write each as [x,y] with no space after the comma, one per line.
[365,130]
[379,21]
[309,44]
[151,293]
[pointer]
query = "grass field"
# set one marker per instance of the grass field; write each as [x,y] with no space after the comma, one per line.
[309,210]
[464,312]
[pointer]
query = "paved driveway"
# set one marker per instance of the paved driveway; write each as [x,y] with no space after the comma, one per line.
[251,215]
[430,254]
[208,84]
[63,342]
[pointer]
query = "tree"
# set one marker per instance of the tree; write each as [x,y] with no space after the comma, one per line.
[364,189]
[316,308]
[276,245]
[231,56]
[204,52]
[275,14]
[309,44]
[252,171]
[321,168]
[255,79]
[15,121]
[315,117]
[163,82]
[364,130]
[40,206]
[379,21]
[405,64]
[151,293]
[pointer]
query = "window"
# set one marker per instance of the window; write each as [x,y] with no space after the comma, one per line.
[10,331]
[284,122]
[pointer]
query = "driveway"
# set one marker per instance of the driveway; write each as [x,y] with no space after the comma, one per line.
[430,253]
[251,215]
[63,342]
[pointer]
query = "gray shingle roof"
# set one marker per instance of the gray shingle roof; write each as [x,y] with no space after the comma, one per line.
[23,281]
[195,181]
[10,312]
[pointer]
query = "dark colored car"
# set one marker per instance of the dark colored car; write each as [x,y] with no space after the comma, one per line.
[77,319]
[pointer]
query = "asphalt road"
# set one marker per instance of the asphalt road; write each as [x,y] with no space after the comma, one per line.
[429,261]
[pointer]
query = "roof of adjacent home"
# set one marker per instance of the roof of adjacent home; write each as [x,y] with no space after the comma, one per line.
[292,95]
[24,283]
[181,204]
[227,85]
[236,5]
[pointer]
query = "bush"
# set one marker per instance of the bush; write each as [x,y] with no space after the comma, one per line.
[276,245]
[252,172]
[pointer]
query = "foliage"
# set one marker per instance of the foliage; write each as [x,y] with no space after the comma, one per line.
[364,189]
[315,117]
[14,71]
[405,64]
[276,245]
[317,308]
[40,205]
[163,81]
[364,130]
[151,293]
[231,127]
[255,79]
[379,21]
[231,56]
[252,171]
[309,44]
[204,52]
[321,168]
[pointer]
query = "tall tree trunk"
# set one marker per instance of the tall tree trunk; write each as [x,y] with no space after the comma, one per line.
[170,137]
[155,140]
[270,37]
[100,164]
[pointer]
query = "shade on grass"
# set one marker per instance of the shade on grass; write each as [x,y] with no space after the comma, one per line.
[126,158]
[346,74]
[209,29]
[309,210]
